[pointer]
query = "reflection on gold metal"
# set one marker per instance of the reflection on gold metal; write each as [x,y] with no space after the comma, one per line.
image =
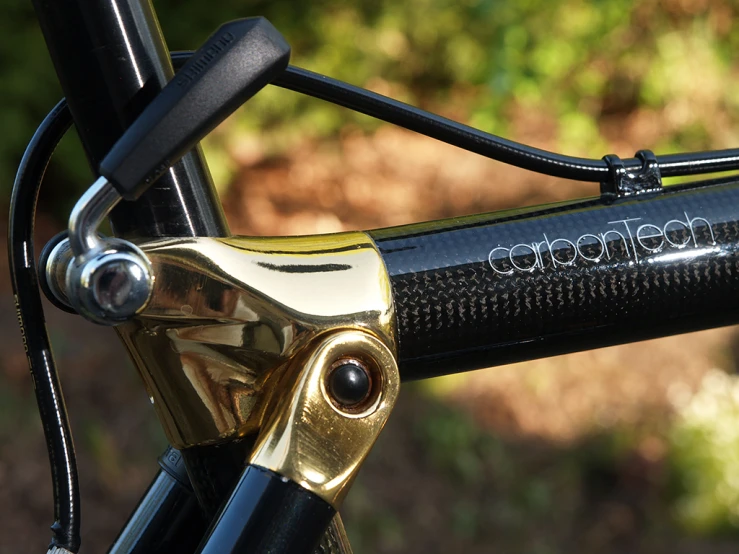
[307,437]
[334,540]
[226,315]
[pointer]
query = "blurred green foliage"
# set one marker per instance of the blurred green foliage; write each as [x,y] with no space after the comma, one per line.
[581,63]
[704,456]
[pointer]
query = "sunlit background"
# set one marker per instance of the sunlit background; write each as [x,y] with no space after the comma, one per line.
[629,449]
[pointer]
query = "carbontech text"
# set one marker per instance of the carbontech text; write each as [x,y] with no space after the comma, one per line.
[628,239]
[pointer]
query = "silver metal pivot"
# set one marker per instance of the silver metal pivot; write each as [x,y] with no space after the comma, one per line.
[106,280]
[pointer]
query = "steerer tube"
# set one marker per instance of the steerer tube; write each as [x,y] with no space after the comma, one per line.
[501,288]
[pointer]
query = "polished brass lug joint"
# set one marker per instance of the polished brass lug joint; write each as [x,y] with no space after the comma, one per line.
[312,438]
[228,317]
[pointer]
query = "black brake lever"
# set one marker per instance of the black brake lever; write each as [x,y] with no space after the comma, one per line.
[237,61]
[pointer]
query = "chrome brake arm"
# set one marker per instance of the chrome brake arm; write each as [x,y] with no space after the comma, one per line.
[106,280]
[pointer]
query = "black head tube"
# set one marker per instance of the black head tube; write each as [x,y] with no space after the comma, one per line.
[111,60]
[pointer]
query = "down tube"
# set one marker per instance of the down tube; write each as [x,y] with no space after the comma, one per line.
[499,288]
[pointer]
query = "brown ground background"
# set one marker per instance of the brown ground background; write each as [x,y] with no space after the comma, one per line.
[558,455]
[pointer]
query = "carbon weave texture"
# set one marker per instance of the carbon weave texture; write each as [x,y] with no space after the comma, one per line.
[455,312]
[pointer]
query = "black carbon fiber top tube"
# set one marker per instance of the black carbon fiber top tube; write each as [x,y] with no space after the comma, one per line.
[499,288]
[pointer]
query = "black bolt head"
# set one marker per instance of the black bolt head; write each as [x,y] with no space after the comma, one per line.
[349,384]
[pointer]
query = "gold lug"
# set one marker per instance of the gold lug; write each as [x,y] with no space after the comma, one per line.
[334,540]
[227,315]
[308,437]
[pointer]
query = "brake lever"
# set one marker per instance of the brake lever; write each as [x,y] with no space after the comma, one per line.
[109,280]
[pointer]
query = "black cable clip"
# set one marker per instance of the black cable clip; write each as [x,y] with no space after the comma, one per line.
[623,183]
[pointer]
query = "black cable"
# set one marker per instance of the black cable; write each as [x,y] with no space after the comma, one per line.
[66,527]
[440,128]
[486,144]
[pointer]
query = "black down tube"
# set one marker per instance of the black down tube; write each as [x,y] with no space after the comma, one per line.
[500,288]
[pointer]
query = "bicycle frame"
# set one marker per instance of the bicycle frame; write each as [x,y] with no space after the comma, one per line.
[466,293]
[544,281]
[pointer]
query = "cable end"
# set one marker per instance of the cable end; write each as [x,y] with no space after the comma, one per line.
[59,550]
